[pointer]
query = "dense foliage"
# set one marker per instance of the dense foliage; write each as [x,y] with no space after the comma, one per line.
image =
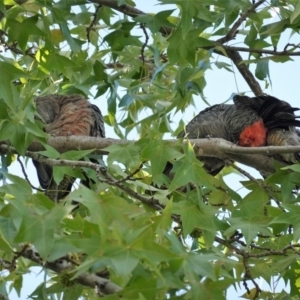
[177,243]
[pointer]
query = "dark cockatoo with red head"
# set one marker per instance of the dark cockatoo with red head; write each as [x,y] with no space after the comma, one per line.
[249,122]
[66,115]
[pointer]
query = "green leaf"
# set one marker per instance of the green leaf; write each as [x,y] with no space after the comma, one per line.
[295,13]
[194,218]
[59,173]
[60,63]
[4,244]
[159,154]
[16,133]
[284,263]
[290,217]
[39,229]
[219,197]
[251,36]
[2,8]
[231,16]
[274,28]
[155,22]
[141,288]
[99,71]
[104,209]
[150,97]
[188,11]
[126,100]
[123,260]
[250,229]
[9,73]
[253,205]
[199,264]
[189,169]
[76,154]
[262,69]
[224,65]
[229,5]
[20,32]
[287,181]
[180,50]
[128,154]
[117,40]
[260,44]
[19,187]
[72,293]
[295,168]
[73,43]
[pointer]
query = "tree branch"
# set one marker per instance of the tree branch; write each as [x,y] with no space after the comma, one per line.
[245,72]
[202,147]
[233,31]
[26,176]
[130,11]
[261,51]
[269,191]
[235,56]
[110,180]
[103,285]
[270,252]
[150,201]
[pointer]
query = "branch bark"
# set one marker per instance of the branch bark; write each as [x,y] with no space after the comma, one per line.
[262,51]
[110,180]
[233,31]
[245,72]
[102,285]
[254,157]
[130,11]
[203,147]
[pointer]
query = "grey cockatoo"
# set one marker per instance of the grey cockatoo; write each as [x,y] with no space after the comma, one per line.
[66,115]
[249,122]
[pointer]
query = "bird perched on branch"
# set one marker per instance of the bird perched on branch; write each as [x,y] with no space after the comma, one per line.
[66,115]
[249,122]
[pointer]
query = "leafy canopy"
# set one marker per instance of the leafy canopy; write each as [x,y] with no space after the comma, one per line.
[180,237]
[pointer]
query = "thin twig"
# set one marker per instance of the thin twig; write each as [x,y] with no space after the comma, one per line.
[104,286]
[248,275]
[13,47]
[233,31]
[152,202]
[245,72]
[262,51]
[111,181]
[291,45]
[130,176]
[116,65]
[143,26]
[93,23]
[99,170]
[25,175]
[130,11]
[263,185]
[282,252]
